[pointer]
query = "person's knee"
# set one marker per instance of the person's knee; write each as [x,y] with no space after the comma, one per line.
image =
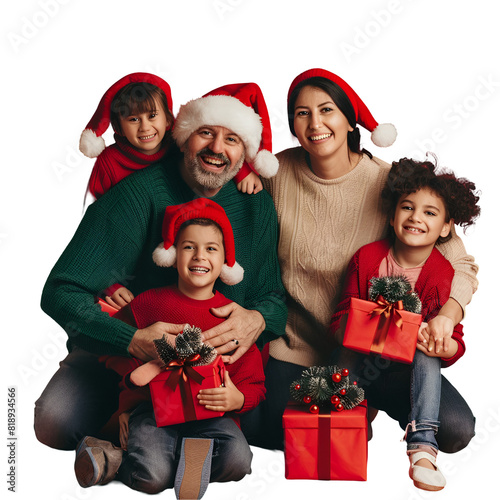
[456,440]
[53,429]
[234,465]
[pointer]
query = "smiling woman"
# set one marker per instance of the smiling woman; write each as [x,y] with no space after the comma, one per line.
[327,195]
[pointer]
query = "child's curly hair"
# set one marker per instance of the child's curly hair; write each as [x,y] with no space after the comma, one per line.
[458,194]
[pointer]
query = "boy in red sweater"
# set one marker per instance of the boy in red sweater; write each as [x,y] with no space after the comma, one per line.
[198,241]
[424,206]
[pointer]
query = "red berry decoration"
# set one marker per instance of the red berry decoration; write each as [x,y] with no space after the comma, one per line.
[314,409]
[339,406]
[335,399]
[342,391]
[297,387]
[345,372]
[336,377]
[355,383]
[307,399]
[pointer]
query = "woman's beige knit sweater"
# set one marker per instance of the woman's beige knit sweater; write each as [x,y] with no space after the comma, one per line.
[322,224]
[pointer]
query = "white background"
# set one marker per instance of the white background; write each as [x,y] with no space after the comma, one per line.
[429,67]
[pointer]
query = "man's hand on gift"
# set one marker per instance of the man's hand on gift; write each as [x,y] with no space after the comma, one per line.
[142,345]
[434,338]
[226,398]
[123,421]
[237,333]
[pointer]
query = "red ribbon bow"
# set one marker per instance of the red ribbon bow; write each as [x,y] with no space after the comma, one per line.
[181,370]
[387,311]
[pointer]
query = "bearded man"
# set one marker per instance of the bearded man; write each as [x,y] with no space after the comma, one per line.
[216,135]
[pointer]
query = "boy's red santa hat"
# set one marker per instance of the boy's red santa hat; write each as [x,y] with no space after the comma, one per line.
[383,135]
[239,107]
[91,141]
[165,254]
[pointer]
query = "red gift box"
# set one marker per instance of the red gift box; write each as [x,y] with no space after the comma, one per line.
[174,392]
[332,445]
[382,328]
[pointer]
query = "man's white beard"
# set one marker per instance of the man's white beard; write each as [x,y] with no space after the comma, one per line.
[211,180]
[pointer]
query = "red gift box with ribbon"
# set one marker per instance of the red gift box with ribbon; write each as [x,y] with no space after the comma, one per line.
[383,328]
[326,445]
[174,391]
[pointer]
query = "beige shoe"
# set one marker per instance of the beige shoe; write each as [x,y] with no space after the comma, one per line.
[97,461]
[423,478]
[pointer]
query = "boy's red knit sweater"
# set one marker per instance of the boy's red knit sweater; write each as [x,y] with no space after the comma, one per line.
[169,305]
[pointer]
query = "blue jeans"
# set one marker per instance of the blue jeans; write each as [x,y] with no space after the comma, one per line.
[78,400]
[152,456]
[425,398]
[413,392]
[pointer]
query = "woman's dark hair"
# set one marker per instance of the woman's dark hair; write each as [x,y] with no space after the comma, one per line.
[137,98]
[340,99]
[459,195]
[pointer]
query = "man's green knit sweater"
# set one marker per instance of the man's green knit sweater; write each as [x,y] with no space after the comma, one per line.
[115,242]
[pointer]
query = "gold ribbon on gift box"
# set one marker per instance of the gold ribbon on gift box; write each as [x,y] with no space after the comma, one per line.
[388,311]
[181,370]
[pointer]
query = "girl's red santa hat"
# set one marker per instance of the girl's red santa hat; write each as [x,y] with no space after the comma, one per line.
[165,255]
[239,107]
[383,135]
[91,142]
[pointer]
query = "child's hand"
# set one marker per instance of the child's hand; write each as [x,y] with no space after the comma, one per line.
[123,420]
[440,330]
[251,184]
[225,398]
[427,343]
[120,298]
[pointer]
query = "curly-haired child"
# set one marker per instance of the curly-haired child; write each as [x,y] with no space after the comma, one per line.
[423,207]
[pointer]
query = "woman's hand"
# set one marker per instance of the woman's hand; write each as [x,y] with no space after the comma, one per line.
[225,398]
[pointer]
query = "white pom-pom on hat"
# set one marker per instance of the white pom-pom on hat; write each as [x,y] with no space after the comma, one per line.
[231,275]
[165,257]
[90,144]
[384,135]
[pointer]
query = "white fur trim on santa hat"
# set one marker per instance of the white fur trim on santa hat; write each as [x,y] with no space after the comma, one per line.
[384,135]
[221,111]
[165,257]
[231,275]
[91,145]
[265,163]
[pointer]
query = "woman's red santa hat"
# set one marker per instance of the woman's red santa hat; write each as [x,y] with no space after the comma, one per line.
[91,141]
[165,254]
[383,135]
[239,107]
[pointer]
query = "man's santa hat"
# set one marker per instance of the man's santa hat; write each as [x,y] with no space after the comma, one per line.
[91,141]
[383,135]
[239,107]
[165,255]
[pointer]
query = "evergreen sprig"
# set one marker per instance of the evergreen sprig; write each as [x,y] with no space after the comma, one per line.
[393,289]
[187,343]
[318,385]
